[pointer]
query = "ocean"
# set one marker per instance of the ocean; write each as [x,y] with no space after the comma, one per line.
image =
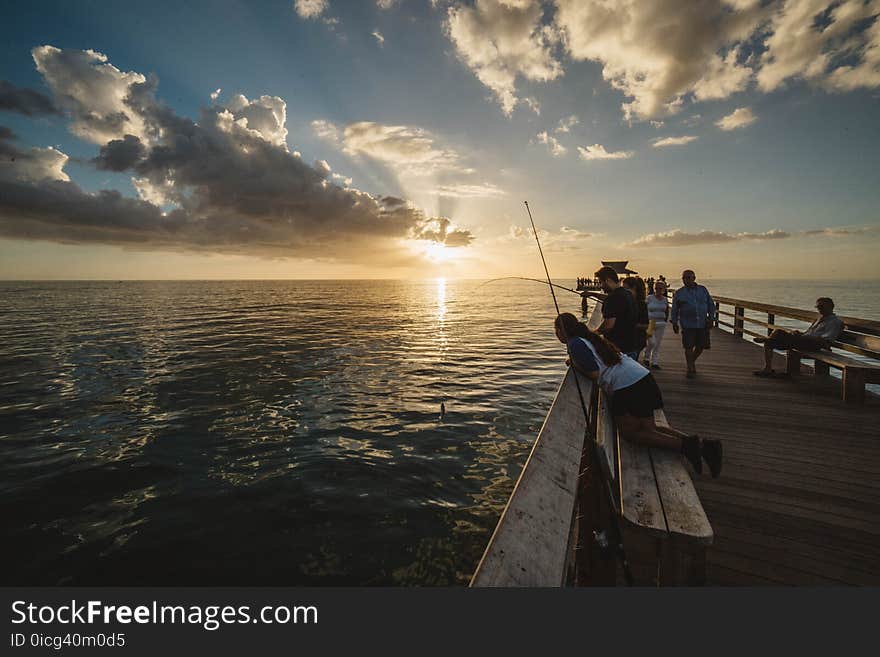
[278,432]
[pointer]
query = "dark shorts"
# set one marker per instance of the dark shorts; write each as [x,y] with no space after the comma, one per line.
[639,400]
[695,337]
[784,340]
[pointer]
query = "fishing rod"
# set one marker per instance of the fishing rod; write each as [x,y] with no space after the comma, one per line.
[524,278]
[594,447]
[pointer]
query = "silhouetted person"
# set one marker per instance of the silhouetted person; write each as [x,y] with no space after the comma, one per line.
[825,330]
[692,306]
[619,313]
[636,286]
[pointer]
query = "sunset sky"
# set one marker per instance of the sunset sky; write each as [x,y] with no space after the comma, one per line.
[398,138]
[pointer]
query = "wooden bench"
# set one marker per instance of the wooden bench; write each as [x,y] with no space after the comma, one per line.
[856,373]
[659,503]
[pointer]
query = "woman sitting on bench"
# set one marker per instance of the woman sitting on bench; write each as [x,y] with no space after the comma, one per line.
[825,330]
[634,394]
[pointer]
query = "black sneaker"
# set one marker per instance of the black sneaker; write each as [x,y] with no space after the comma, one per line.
[690,447]
[712,453]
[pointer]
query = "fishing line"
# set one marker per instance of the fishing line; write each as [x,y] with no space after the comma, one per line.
[618,547]
[525,278]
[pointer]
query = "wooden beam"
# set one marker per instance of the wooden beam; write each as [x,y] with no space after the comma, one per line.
[531,543]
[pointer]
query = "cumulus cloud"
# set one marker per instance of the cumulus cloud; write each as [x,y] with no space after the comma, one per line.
[31,165]
[820,40]
[408,150]
[598,152]
[225,183]
[532,104]
[683,238]
[501,41]
[867,72]
[557,149]
[467,190]
[310,9]
[216,93]
[386,4]
[345,180]
[739,118]
[441,230]
[92,91]
[379,38]
[325,130]
[25,101]
[564,239]
[658,52]
[566,124]
[665,53]
[120,154]
[267,115]
[673,141]
[841,232]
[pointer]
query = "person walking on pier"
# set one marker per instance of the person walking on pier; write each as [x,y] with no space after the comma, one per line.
[693,308]
[636,286]
[619,313]
[634,394]
[658,313]
[825,330]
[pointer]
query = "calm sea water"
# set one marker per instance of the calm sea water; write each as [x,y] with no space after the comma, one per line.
[284,433]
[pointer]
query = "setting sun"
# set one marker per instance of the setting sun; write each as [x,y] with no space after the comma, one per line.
[437,252]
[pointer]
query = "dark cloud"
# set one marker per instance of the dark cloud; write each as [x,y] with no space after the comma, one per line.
[25,101]
[120,154]
[440,230]
[232,182]
[839,232]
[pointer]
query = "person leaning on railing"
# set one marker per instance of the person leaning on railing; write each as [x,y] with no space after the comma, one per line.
[825,330]
[633,393]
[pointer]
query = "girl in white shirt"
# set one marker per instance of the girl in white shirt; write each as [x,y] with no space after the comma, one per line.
[658,311]
[634,394]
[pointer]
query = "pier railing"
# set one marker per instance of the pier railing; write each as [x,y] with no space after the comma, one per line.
[861,336]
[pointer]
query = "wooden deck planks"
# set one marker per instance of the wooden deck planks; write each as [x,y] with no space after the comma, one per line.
[797,502]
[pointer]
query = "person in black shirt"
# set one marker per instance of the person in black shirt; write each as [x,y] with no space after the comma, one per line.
[636,286]
[619,312]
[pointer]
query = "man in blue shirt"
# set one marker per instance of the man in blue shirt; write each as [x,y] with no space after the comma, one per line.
[694,310]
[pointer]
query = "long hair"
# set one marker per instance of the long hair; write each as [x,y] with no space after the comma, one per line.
[636,284]
[572,328]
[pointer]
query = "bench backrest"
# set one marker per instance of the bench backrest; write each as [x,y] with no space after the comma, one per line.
[856,342]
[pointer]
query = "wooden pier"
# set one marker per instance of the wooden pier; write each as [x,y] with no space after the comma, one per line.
[798,501]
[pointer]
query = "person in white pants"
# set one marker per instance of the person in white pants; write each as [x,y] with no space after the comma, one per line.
[658,312]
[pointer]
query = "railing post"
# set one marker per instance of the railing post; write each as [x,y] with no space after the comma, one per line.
[717,312]
[738,314]
[771,319]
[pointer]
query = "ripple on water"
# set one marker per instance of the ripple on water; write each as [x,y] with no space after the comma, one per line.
[268,432]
